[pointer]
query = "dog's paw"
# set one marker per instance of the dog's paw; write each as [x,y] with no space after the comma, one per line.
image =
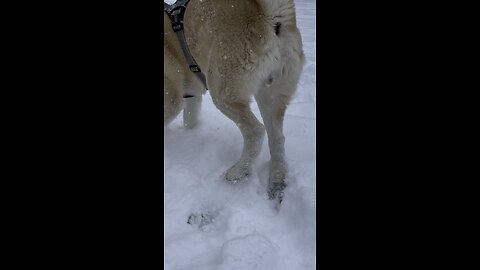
[275,190]
[239,172]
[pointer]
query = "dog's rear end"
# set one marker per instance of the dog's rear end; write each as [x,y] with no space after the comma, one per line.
[248,48]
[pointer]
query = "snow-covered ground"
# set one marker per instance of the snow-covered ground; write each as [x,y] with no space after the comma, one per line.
[240,229]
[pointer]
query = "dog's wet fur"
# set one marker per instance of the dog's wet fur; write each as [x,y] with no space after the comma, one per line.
[245,48]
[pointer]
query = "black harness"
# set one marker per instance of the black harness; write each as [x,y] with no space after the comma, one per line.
[176,12]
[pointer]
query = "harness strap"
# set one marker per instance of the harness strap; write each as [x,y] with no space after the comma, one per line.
[176,12]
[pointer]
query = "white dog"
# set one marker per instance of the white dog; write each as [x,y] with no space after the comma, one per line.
[245,48]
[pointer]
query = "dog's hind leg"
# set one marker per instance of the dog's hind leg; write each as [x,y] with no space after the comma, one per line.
[273,109]
[272,99]
[191,112]
[238,110]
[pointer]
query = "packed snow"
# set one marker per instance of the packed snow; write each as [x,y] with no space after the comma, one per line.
[214,225]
